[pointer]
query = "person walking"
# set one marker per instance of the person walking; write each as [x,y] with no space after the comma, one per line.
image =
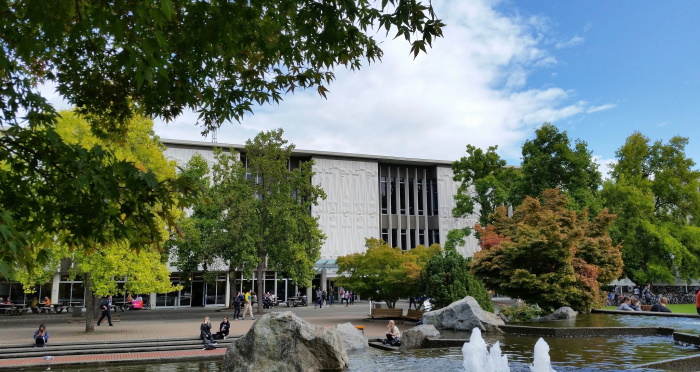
[248,304]
[106,307]
[237,305]
[319,298]
[41,336]
[330,297]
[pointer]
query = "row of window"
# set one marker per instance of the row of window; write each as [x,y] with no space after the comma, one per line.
[407,238]
[389,187]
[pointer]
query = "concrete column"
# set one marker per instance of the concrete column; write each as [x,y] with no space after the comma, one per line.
[324,273]
[54,288]
[309,295]
[152,300]
[227,303]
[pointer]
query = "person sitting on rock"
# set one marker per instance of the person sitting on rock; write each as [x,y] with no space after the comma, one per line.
[661,306]
[625,304]
[393,335]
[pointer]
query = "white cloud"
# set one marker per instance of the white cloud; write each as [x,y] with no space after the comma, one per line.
[605,107]
[576,40]
[471,88]
[604,166]
[587,26]
[663,124]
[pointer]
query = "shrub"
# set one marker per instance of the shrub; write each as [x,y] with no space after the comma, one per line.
[520,313]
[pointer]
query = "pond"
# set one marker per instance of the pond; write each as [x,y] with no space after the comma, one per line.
[610,353]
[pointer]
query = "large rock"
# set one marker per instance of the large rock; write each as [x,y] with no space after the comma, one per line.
[353,339]
[414,337]
[281,341]
[561,313]
[463,315]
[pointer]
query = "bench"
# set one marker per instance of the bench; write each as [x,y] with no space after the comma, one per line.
[414,314]
[60,308]
[46,309]
[386,313]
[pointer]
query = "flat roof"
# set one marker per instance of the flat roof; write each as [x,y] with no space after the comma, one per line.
[315,153]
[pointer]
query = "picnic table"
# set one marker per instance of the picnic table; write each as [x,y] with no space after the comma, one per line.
[14,309]
[296,301]
[123,306]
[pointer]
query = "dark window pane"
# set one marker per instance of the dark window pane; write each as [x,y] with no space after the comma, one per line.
[402,194]
[392,195]
[383,193]
[411,197]
[419,189]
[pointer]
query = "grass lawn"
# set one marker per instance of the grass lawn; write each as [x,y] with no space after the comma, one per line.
[680,309]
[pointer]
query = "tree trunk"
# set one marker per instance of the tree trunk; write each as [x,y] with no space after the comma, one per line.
[89,306]
[261,284]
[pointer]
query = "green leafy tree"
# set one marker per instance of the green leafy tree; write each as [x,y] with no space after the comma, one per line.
[547,254]
[654,190]
[549,161]
[265,222]
[446,279]
[485,183]
[383,273]
[114,60]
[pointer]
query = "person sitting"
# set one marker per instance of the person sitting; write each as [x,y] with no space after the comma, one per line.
[129,298]
[46,302]
[393,335]
[205,333]
[224,328]
[625,304]
[41,336]
[661,306]
[636,305]
[34,305]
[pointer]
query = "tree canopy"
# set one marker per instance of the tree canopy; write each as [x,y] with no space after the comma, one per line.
[547,254]
[383,273]
[219,58]
[655,192]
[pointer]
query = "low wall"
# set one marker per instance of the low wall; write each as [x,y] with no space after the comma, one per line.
[586,331]
[689,364]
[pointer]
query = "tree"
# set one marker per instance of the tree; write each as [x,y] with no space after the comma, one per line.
[446,279]
[265,221]
[137,258]
[550,162]
[485,183]
[654,190]
[547,254]
[383,273]
[115,60]
[219,58]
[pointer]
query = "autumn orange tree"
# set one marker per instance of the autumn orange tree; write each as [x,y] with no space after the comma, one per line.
[547,254]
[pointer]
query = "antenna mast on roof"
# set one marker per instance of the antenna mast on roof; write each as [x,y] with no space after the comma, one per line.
[213,136]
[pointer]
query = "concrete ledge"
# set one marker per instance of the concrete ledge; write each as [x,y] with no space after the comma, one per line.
[686,338]
[689,364]
[586,331]
[443,342]
[645,313]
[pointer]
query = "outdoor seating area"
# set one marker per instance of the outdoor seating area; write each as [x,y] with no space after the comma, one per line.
[13,309]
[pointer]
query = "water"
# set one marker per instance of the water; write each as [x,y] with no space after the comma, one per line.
[477,356]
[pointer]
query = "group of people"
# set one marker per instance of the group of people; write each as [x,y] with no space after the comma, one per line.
[634,304]
[208,338]
[246,300]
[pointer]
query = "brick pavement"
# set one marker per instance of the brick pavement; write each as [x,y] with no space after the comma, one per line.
[160,324]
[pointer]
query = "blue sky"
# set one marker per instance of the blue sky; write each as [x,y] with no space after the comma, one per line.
[599,70]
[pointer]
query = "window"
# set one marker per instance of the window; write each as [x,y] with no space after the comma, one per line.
[394,238]
[434,236]
[404,242]
[419,189]
[382,193]
[385,235]
[421,237]
[432,197]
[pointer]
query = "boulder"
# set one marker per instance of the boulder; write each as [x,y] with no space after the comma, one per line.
[561,313]
[463,315]
[281,341]
[414,337]
[353,339]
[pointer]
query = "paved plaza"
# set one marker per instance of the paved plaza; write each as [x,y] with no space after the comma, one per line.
[162,324]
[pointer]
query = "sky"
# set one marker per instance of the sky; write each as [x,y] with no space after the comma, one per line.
[599,70]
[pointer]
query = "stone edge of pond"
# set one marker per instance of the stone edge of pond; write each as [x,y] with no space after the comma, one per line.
[645,313]
[680,364]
